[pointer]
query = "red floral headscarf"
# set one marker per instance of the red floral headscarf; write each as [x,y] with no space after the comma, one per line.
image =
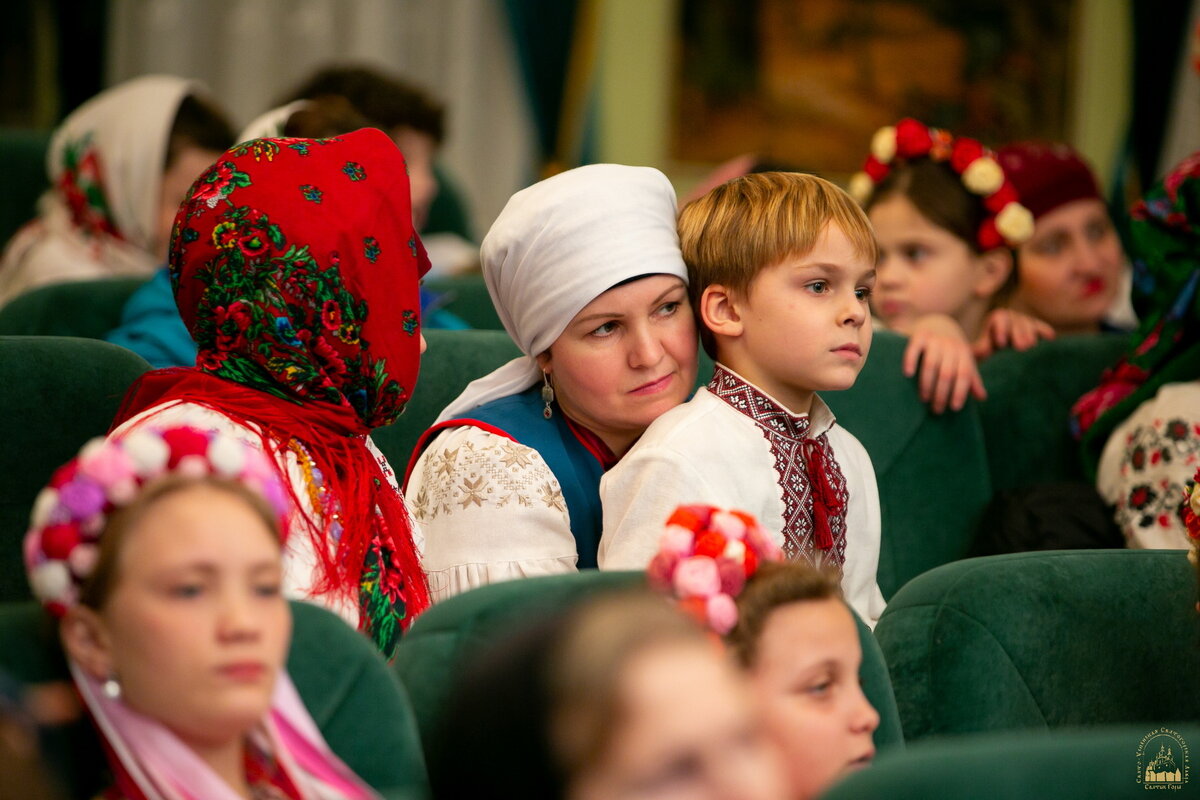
[296,266]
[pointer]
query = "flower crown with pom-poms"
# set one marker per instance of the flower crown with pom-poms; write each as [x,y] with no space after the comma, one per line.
[1008,223]
[69,515]
[704,558]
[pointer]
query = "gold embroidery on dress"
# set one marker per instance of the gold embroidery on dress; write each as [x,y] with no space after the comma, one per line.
[488,473]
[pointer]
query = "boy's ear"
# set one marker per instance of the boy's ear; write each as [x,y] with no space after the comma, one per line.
[85,639]
[996,265]
[720,310]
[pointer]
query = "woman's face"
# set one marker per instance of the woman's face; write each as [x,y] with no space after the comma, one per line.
[686,731]
[626,357]
[195,629]
[1070,270]
[806,681]
[925,269]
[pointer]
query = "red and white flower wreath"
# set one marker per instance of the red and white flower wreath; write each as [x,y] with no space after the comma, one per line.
[1008,222]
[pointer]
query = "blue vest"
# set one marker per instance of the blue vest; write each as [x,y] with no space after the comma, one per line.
[578,471]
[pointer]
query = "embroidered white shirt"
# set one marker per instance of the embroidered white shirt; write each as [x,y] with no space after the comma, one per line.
[705,451]
[1147,462]
[491,510]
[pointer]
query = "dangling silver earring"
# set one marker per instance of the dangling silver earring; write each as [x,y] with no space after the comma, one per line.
[111,688]
[547,395]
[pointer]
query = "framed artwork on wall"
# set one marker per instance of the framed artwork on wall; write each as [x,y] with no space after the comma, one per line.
[805,83]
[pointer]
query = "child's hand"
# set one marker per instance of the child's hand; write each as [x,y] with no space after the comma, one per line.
[948,369]
[1007,328]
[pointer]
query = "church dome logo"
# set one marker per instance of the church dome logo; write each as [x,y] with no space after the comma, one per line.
[1162,757]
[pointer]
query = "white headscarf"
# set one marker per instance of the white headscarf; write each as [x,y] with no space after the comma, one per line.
[270,124]
[560,244]
[117,145]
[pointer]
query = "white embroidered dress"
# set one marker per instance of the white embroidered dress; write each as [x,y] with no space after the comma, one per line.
[1147,462]
[707,451]
[491,510]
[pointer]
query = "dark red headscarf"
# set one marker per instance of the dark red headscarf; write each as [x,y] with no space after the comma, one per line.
[296,265]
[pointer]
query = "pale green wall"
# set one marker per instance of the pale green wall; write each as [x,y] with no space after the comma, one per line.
[635,69]
[1101,90]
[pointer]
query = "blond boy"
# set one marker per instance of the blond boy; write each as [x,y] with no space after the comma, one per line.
[781,268]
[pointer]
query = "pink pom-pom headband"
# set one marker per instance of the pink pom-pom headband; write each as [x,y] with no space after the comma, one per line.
[704,558]
[69,515]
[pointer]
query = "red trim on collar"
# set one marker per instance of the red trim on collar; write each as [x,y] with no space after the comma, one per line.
[593,444]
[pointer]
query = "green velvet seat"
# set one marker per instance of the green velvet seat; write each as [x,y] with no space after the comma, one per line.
[467,298]
[442,640]
[931,469]
[362,710]
[1025,418]
[89,309]
[454,359]
[1067,765]
[55,394]
[1045,640]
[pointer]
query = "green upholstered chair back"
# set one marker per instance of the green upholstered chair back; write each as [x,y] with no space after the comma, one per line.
[1030,394]
[1068,765]
[454,359]
[55,394]
[89,309]
[362,710]
[467,298]
[932,469]
[23,165]
[1045,640]
[443,639]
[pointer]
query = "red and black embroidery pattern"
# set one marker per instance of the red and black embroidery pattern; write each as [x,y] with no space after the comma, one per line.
[813,487]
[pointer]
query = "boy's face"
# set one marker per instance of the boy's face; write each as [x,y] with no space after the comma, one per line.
[805,322]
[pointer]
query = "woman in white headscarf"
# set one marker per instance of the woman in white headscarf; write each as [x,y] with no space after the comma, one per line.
[119,165]
[585,272]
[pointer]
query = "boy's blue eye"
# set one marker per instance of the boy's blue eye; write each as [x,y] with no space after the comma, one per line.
[818,287]
[864,292]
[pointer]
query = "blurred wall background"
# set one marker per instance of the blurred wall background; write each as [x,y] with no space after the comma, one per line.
[533,86]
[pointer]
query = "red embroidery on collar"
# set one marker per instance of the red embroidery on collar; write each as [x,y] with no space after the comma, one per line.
[593,444]
[815,496]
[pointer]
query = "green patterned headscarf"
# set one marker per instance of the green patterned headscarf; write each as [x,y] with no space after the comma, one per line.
[1165,247]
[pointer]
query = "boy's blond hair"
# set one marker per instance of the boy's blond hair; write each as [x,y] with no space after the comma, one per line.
[749,223]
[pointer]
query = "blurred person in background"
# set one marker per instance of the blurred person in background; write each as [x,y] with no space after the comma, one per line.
[1071,273]
[622,697]
[119,165]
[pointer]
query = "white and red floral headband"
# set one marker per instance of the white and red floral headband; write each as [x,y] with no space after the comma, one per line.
[704,558]
[1008,223]
[70,514]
